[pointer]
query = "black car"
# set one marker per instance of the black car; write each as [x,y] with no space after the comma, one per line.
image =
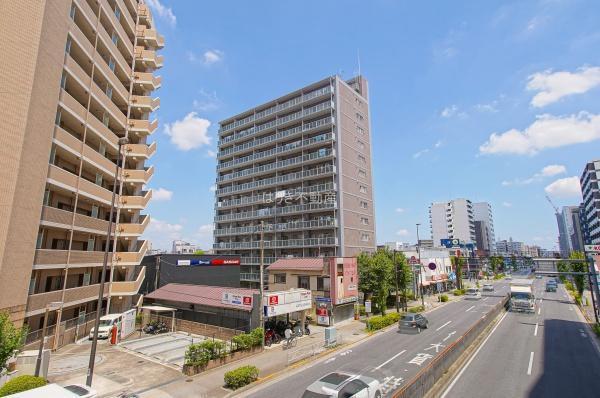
[412,323]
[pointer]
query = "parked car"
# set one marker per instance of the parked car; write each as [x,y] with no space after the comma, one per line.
[412,323]
[472,293]
[538,277]
[81,390]
[488,287]
[551,286]
[338,385]
[106,324]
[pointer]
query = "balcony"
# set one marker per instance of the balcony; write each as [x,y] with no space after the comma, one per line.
[299,243]
[108,104]
[68,181]
[147,80]
[132,258]
[269,212]
[280,227]
[36,303]
[148,57]
[48,258]
[140,176]
[142,126]
[268,197]
[143,13]
[150,36]
[256,260]
[140,150]
[54,217]
[133,229]
[128,288]
[136,202]
[145,103]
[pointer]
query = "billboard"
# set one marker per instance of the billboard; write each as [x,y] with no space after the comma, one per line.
[203,262]
[242,300]
[284,302]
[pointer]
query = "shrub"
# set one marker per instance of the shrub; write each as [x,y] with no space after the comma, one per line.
[380,321]
[596,329]
[569,286]
[241,376]
[444,298]
[258,335]
[361,310]
[246,341]
[200,353]
[498,276]
[459,292]
[21,383]
[418,308]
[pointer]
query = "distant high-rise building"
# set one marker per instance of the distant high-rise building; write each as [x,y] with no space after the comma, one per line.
[485,236]
[182,247]
[301,164]
[591,201]
[452,220]
[76,86]
[509,247]
[570,237]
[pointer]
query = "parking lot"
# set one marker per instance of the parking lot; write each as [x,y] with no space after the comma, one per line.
[166,348]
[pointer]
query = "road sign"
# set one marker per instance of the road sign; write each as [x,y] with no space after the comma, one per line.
[432,266]
[413,261]
[592,248]
[452,276]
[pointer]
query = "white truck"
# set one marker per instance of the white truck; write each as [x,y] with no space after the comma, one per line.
[521,296]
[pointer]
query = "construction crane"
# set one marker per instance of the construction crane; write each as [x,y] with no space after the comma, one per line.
[553,205]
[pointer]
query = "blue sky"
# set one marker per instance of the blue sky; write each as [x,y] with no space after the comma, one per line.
[493,101]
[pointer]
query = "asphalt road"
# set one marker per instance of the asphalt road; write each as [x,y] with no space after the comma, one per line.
[548,354]
[390,357]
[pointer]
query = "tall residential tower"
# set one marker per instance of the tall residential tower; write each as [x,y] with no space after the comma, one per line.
[301,164]
[591,202]
[452,220]
[76,77]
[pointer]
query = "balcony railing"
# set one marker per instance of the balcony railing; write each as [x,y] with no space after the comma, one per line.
[278,108]
[256,260]
[289,226]
[128,288]
[132,258]
[321,154]
[148,57]
[136,202]
[138,176]
[293,146]
[49,258]
[57,217]
[310,242]
[140,150]
[268,197]
[299,175]
[143,126]
[150,36]
[36,303]
[133,229]
[147,79]
[145,102]
[271,211]
[68,180]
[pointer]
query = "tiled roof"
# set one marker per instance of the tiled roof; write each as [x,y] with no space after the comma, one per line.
[297,264]
[199,294]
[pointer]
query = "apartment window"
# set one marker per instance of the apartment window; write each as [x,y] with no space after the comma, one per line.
[115,38]
[108,91]
[105,119]
[362,189]
[304,282]
[98,180]
[102,148]
[364,221]
[360,130]
[279,278]
[72,12]
[364,237]
[362,173]
[117,12]
[68,45]
[94,212]
[111,64]
[362,159]
[364,205]
[91,243]
[32,285]
[323,284]
[63,80]
[359,116]
[361,145]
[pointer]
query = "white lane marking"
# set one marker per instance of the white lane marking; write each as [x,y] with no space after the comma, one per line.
[470,308]
[445,324]
[539,310]
[473,357]
[449,335]
[390,360]
[485,298]
[330,360]
[536,329]
[530,363]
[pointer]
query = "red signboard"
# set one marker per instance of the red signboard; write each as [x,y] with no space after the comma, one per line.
[247,300]
[220,261]
[273,300]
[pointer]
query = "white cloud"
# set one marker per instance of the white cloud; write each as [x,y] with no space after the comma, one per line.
[189,133]
[418,154]
[506,204]
[399,210]
[565,187]
[548,171]
[163,12]
[211,154]
[207,102]
[163,227]
[451,111]
[402,232]
[491,108]
[212,56]
[161,194]
[546,132]
[438,144]
[552,86]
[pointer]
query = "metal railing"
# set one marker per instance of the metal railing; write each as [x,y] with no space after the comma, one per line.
[292,225]
[271,211]
[311,349]
[268,197]
[277,243]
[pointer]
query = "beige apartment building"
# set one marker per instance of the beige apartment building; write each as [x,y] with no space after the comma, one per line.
[76,76]
[302,165]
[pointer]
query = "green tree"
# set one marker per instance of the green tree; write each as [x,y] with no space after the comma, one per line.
[458,263]
[513,263]
[11,339]
[199,252]
[578,266]
[376,275]
[496,263]
[562,266]
[403,272]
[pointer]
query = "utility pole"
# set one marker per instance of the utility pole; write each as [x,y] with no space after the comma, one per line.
[420,266]
[396,273]
[157,258]
[594,285]
[261,313]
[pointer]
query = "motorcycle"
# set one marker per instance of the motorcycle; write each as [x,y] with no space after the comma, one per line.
[271,337]
[297,328]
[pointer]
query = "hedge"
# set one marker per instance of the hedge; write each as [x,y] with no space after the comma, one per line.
[418,308]
[200,353]
[459,292]
[20,384]
[444,298]
[241,376]
[380,321]
[245,341]
[596,329]
[498,276]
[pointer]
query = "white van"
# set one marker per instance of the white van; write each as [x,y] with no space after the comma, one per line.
[106,325]
[472,293]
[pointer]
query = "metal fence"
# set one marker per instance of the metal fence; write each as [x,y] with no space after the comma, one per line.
[423,381]
[69,332]
[310,350]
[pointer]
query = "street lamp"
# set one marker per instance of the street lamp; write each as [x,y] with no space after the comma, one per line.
[90,371]
[50,306]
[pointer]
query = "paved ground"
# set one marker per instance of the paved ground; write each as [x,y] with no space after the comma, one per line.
[167,348]
[389,356]
[549,354]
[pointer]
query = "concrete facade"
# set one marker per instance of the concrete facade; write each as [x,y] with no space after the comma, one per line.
[452,220]
[591,201]
[74,82]
[302,165]
[483,217]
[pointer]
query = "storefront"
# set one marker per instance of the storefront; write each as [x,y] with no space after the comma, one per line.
[286,307]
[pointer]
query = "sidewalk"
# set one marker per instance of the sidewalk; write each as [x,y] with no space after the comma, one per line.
[269,362]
